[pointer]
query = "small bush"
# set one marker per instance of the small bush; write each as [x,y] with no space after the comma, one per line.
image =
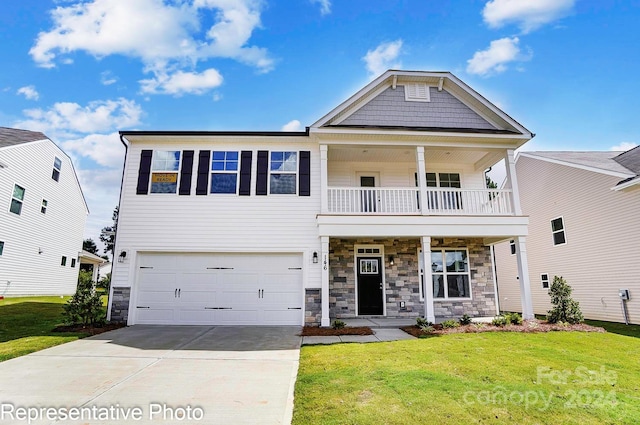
[479,325]
[465,319]
[427,329]
[565,309]
[85,307]
[448,324]
[499,321]
[338,324]
[421,322]
[513,318]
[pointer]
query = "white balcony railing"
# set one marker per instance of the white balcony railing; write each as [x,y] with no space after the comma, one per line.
[406,201]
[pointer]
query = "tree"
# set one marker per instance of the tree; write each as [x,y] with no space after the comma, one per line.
[490,183]
[565,309]
[85,307]
[89,245]
[108,233]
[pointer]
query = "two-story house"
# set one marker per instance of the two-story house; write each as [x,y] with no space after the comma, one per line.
[42,218]
[378,209]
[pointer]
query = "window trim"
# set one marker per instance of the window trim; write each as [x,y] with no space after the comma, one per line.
[543,280]
[58,169]
[295,173]
[212,172]
[177,172]
[563,230]
[445,273]
[21,201]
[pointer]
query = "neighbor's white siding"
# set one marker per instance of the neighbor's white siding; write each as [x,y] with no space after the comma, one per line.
[602,253]
[58,232]
[218,223]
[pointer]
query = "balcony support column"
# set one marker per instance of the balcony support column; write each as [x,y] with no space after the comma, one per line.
[510,164]
[324,180]
[422,179]
[325,321]
[429,311]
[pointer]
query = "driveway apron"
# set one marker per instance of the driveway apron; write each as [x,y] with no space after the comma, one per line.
[159,374]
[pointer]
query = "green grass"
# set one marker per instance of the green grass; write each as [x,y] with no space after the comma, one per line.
[487,378]
[27,323]
[617,328]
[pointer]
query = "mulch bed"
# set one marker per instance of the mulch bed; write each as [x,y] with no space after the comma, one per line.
[529,326]
[316,331]
[91,330]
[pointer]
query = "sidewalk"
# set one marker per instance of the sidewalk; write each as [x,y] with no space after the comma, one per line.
[380,335]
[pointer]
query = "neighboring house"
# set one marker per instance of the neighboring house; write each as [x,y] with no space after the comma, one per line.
[42,217]
[224,227]
[95,261]
[583,210]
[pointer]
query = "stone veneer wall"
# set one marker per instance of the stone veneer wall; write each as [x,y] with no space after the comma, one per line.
[313,307]
[120,304]
[483,297]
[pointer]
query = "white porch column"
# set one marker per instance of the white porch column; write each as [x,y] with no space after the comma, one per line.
[510,165]
[94,273]
[324,180]
[324,293]
[422,180]
[523,274]
[429,311]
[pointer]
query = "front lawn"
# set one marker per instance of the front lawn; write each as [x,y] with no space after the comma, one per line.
[489,378]
[27,323]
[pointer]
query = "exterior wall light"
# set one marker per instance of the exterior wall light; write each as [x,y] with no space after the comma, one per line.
[315,257]
[391,260]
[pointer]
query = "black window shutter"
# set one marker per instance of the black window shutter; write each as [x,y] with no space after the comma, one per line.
[203,173]
[143,172]
[263,167]
[245,173]
[305,173]
[185,173]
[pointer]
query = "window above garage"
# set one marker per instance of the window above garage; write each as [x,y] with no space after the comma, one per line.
[164,171]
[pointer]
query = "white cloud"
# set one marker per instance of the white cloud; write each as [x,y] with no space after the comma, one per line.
[107,78]
[624,146]
[495,58]
[167,36]
[293,125]
[29,92]
[383,57]
[325,6]
[181,82]
[527,14]
[66,119]
[104,149]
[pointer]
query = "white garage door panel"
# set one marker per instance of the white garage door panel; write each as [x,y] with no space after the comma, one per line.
[226,289]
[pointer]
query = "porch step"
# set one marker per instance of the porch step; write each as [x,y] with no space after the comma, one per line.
[379,323]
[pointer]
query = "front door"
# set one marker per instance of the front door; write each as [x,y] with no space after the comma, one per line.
[370,286]
[369,197]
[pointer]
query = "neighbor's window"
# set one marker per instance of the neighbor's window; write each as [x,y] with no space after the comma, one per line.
[43,207]
[63,262]
[73,262]
[450,270]
[512,246]
[16,199]
[164,171]
[544,278]
[557,228]
[224,172]
[57,165]
[283,172]
[1,247]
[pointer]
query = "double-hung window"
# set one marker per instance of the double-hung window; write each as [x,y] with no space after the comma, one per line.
[17,198]
[224,172]
[164,171]
[57,165]
[557,229]
[443,199]
[544,279]
[283,172]
[450,271]
[43,207]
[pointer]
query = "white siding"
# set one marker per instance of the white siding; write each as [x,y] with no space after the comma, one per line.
[602,253]
[23,271]
[218,223]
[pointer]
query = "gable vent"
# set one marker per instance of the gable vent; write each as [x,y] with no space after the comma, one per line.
[416,92]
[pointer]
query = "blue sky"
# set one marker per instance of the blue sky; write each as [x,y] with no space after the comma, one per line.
[82,70]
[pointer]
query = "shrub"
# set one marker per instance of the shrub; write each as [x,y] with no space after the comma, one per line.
[465,319]
[499,321]
[84,307]
[513,318]
[421,322]
[565,309]
[427,329]
[338,324]
[448,324]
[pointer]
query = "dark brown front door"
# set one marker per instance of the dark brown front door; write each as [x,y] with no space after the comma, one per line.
[370,286]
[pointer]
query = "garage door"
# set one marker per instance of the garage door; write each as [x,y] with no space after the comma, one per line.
[219,289]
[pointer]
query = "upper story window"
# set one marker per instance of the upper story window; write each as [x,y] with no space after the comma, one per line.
[1,247]
[557,229]
[544,279]
[512,246]
[224,172]
[63,261]
[450,269]
[164,171]
[43,207]
[57,165]
[16,199]
[283,171]
[416,92]
[73,262]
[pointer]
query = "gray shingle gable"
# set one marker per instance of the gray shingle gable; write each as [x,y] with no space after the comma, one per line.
[630,159]
[390,108]
[14,136]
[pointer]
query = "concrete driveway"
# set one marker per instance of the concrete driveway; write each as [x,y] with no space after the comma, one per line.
[160,374]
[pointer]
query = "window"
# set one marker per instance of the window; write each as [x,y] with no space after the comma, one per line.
[43,208]
[512,245]
[443,199]
[63,262]
[224,175]
[450,273]
[73,262]
[164,171]
[544,278]
[557,229]
[368,250]
[57,165]
[369,266]
[283,172]
[1,247]
[16,199]
[416,92]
